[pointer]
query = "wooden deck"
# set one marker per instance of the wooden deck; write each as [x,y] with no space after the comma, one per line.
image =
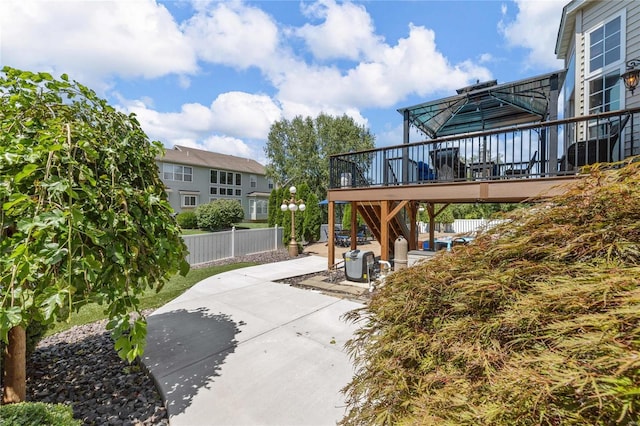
[386,186]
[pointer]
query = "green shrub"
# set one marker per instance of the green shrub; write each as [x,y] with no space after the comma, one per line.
[37,414]
[187,220]
[534,323]
[219,214]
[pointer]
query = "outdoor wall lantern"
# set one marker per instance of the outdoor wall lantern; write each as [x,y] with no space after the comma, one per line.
[630,77]
[293,205]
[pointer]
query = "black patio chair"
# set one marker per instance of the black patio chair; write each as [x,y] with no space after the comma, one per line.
[522,172]
[447,163]
[595,150]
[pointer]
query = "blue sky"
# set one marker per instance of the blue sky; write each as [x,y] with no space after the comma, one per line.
[216,75]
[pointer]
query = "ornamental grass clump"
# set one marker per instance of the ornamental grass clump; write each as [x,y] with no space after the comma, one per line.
[535,323]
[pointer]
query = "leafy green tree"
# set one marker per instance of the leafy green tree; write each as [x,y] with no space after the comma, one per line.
[276,216]
[482,210]
[310,220]
[346,217]
[84,214]
[299,149]
[219,214]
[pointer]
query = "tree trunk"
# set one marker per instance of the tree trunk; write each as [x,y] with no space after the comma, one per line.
[15,369]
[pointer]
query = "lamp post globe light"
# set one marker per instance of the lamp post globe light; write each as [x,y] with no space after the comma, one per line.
[293,205]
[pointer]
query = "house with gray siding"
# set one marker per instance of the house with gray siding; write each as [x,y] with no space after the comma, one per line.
[597,40]
[194,176]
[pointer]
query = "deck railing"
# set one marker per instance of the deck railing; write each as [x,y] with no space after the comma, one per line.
[543,149]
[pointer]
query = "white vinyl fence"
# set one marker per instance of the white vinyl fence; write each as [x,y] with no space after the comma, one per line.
[227,244]
[460,226]
[469,226]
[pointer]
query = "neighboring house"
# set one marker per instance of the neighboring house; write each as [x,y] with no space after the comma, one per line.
[193,177]
[596,40]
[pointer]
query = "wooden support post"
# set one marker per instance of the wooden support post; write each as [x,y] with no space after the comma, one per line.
[432,226]
[431,209]
[354,225]
[331,237]
[384,230]
[413,229]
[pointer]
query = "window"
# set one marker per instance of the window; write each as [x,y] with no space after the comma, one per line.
[270,183]
[604,93]
[189,200]
[225,183]
[253,180]
[176,172]
[261,207]
[605,44]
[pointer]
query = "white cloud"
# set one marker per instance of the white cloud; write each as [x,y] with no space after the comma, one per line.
[235,114]
[413,66]
[232,34]
[94,40]
[347,30]
[227,145]
[394,135]
[535,28]
[244,115]
[486,58]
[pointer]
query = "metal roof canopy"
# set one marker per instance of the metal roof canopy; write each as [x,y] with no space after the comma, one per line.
[486,106]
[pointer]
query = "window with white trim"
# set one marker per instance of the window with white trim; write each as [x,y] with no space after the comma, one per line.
[253,181]
[605,45]
[189,200]
[177,172]
[605,64]
[261,207]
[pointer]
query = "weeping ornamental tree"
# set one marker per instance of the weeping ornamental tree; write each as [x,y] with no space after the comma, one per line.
[84,215]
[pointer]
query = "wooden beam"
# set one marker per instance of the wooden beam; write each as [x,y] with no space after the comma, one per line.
[432,226]
[413,215]
[354,225]
[396,210]
[384,230]
[331,253]
[498,191]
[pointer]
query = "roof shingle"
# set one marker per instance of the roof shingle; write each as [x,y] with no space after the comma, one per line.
[198,157]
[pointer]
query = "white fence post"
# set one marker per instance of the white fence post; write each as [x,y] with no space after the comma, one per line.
[275,240]
[233,241]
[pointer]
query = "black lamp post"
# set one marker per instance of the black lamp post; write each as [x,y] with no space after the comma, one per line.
[293,205]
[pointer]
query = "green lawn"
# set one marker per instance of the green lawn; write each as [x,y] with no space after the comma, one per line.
[252,225]
[150,300]
[193,231]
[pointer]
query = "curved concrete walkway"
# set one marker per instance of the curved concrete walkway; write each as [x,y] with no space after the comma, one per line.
[240,349]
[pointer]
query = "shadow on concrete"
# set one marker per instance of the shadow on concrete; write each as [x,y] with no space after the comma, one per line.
[185,351]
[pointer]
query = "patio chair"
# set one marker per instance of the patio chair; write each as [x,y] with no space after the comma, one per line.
[424,172]
[525,171]
[595,150]
[447,164]
[342,239]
